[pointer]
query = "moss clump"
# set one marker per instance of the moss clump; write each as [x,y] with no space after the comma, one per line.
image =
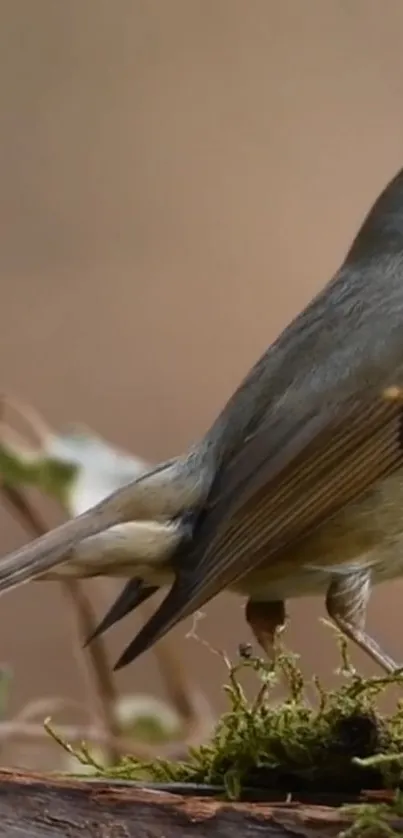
[341,745]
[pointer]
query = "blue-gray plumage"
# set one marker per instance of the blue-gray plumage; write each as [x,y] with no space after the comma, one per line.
[297,487]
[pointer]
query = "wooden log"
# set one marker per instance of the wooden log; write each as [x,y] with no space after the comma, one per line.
[41,806]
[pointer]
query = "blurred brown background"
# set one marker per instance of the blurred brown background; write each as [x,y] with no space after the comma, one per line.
[177,179]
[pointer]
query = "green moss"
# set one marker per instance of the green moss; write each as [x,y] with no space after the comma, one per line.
[340,744]
[373,820]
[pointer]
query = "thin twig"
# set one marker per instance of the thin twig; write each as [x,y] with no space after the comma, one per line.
[46,706]
[28,516]
[98,677]
[193,709]
[102,694]
[36,423]
[35,732]
[17,731]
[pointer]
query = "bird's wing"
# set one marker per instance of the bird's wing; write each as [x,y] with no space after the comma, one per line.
[279,495]
[323,466]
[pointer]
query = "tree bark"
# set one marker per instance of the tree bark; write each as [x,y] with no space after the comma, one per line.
[38,806]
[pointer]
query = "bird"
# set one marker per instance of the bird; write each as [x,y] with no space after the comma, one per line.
[296,488]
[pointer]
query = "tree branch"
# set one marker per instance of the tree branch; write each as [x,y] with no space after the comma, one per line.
[34,806]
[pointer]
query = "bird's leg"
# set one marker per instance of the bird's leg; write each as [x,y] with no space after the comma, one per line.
[267,620]
[346,604]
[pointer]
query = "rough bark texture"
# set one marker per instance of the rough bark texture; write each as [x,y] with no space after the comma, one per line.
[33,806]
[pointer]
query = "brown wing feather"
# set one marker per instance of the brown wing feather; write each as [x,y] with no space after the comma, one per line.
[304,485]
[315,475]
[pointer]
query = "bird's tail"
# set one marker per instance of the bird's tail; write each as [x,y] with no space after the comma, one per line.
[133,594]
[164,492]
